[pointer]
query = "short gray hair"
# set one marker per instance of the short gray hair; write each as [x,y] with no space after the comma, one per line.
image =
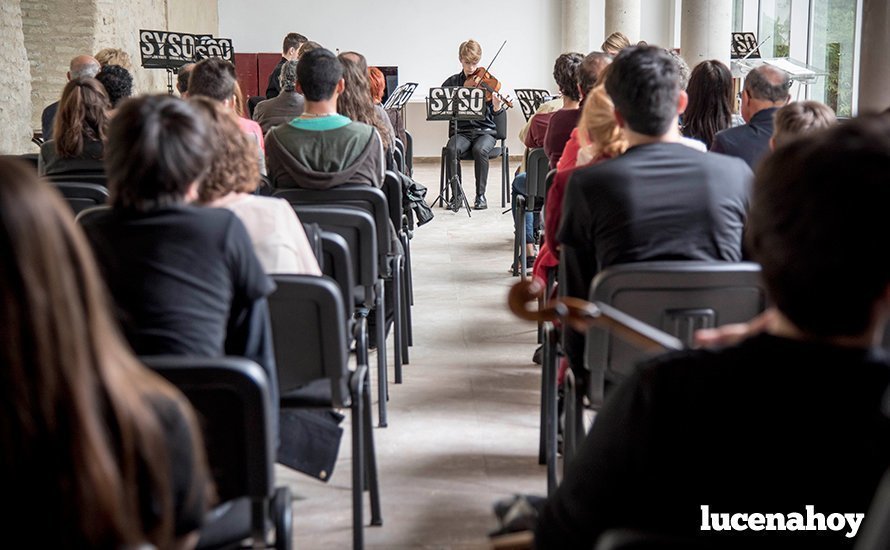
[84,70]
[288,77]
[768,83]
[683,71]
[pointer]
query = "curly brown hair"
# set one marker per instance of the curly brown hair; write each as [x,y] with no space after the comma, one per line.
[233,166]
[565,73]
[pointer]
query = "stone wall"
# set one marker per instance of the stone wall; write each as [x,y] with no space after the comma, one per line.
[15,82]
[117,26]
[55,31]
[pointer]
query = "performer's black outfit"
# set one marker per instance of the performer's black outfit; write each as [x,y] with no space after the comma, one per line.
[477,135]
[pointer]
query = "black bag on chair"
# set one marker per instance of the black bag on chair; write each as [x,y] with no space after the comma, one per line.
[310,441]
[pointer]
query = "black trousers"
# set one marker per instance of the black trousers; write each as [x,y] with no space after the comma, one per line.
[481,145]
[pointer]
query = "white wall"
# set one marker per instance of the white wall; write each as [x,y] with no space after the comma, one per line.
[415,35]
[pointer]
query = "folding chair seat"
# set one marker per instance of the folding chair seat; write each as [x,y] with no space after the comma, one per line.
[500,150]
[311,354]
[233,401]
[81,196]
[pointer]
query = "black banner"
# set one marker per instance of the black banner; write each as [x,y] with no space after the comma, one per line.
[171,50]
[744,45]
[455,102]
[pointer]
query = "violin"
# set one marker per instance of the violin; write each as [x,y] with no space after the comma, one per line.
[481,78]
[581,315]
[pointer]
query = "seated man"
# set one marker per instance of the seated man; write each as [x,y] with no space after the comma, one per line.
[321,149]
[284,107]
[290,51]
[765,90]
[781,440]
[185,280]
[660,200]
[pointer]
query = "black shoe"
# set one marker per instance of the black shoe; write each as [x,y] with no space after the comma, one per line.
[481,203]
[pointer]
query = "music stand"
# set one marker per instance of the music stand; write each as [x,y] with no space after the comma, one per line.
[455,103]
[530,99]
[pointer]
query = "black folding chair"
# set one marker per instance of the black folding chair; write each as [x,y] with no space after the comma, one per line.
[231,396]
[311,353]
[538,176]
[392,188]
[81,196]
[677,298]
[357,228]
[98,178]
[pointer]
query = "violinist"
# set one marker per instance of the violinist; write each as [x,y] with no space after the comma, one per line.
[475,135]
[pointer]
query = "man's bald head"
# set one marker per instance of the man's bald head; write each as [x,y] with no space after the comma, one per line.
[768,83]
[83,66]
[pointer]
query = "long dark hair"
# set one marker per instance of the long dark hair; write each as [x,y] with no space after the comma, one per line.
[355,101]
[710,101]
[80,441]
[82,116]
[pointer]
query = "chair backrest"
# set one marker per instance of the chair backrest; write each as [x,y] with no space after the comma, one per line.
[357,228]
[81,196]
[313,234]
[354,195]
[337,265]
[409,152]
[399,153]
[392,189]
[538,168]
[231,396]
[98,178]
[675,297]
[84,215]
[309,330]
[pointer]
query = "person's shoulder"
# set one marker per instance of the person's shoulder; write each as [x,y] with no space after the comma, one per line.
[726,165]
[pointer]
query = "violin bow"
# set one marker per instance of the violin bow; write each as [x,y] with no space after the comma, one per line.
[490,63]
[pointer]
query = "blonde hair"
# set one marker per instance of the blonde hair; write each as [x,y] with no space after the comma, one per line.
[470,51]
[598,125]
[799,118]
[616,42]
[114,56]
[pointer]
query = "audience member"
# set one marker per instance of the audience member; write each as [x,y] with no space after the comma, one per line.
[186,280]
[384,117]
[798,118]
[562,144]
[182,79]
[289,49]
[378,85]
[765,90]
[321,149]
[97,451]
[696,436]
[565,73]
[614,43]
[307,47]
[661,200]
[79,129]
[355,102]
[215,78]
[277,234]
[80,66]
[284,107]
[683,71]
[114,56]
[118,83]
[710,102]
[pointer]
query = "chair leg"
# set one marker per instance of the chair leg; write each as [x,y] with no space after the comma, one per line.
[358,462]
[371,460]
[549,372]
[398,320]
[522,242]
[382,386]
[409,296]
[405,313]
[443,189]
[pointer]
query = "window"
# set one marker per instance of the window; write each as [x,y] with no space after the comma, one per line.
[832,40]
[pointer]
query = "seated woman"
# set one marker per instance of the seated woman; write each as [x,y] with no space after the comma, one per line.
[78,131]
[355,102]
[95,450]
[277,234]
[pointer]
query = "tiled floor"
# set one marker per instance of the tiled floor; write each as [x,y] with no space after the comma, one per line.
[463,427]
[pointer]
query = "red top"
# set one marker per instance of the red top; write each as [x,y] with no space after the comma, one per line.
[537,130]
[569,153]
